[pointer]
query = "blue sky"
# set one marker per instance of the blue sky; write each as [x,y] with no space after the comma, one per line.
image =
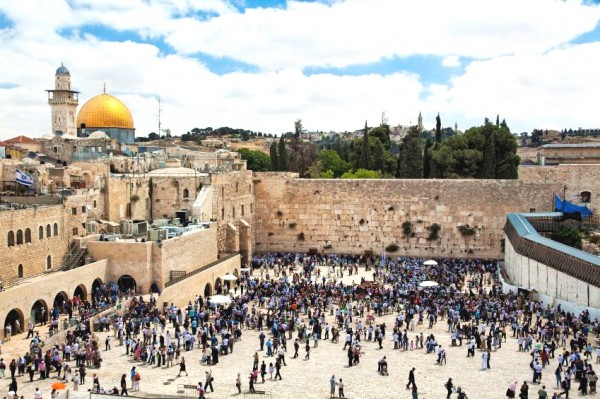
[263,64]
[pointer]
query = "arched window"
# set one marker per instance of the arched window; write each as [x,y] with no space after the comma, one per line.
[41,233]
[186,193]
[11,239]
[19,237]
[20,271]
[48,231]
[55,229]
[27,235]
[49,262]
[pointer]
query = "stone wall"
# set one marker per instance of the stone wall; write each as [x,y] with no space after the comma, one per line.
[152,262]
[576,178]
[171,194]
[184,291]
[354,216]
[33,256]
[127,197]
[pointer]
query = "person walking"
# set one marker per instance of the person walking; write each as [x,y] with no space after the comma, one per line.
[449,386]
[511,390]
[332,384]
[182,367]
[278,369]
[341,389]
[136,381]
[209,380]
[307,348]
[411,378]
[131,376]
[238,383]
[124,385]
[415,393]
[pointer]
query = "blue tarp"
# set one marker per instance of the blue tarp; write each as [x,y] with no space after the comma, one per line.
[565,206]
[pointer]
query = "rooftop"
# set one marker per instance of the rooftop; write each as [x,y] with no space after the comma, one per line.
[580,145]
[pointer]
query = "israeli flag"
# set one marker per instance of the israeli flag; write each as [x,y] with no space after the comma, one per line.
[24,179]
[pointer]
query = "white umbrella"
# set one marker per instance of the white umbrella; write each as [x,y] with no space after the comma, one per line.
[426,284]
[430,262]
[245,269]
[229,277]
[220,299]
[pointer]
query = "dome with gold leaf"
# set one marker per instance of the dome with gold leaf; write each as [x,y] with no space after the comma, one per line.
[104,111]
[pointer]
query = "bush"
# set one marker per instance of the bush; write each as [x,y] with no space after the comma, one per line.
[392,248]
[567,235]
[407,228]
[434,229]
[466,230]
[292,225]
[300,236]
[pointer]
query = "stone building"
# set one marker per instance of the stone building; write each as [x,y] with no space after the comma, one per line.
[557,154]
[63,103]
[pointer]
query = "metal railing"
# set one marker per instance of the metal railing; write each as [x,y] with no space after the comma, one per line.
[177,279]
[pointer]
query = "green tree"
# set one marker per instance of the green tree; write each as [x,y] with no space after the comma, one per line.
[378,156]
[331,160]
[487,169]
[256,160]
[282,156]
[507,160]
[364,161]
[411,166]
[273,156]
[362,174]
[427,159]
[567,235]
[438,129]
[383,134]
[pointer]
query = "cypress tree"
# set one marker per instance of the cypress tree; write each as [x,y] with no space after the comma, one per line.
[282,157]
[273,156]
[412,156]
[427,159]
[438,129]
[364,161]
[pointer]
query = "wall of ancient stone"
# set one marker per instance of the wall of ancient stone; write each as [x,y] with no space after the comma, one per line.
[171,194]
[576,178]
[181,293]
[354,216]
[127,197]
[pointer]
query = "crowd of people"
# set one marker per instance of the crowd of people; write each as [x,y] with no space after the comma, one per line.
[295,301]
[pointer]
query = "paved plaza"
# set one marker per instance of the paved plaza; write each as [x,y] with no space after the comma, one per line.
[310,378]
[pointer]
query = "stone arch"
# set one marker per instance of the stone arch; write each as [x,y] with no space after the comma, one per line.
[11,318]
[27,235]
[186,193]
[207,290]
[127,282]
[19,237]
[11,239]
[60,299]
[55,229]
[48,231]
[218,285]
[20,271]
[96,284]
[81,292]
[36,315]
[41,233]
[49,262]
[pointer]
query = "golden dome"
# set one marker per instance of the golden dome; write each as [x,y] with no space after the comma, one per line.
[105,111]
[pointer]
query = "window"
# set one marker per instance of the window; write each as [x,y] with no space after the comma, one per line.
[222,214]
[186,193]
[233,211]
[19,237]
[11,239]
[242,210]
[83,209]
[75,231]
[20,271]
[55,229]
[74,211]
[27,235]
[49,262]
[94,203]
[48,231]
[236,187]
[41,233]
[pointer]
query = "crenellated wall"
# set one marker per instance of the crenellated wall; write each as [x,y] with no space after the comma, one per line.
[354,216]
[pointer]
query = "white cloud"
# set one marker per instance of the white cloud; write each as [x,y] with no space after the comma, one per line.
[523,69]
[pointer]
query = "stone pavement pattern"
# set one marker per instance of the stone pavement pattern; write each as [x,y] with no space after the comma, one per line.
[310,378]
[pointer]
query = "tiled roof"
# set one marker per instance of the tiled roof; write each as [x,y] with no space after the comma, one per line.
[22,140]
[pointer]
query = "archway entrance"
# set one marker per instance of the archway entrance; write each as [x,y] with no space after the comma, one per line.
[97,287]
[80,292]
[126,282]
[219,286]
[59,301]
[12,318]
[39,312]
[207,290]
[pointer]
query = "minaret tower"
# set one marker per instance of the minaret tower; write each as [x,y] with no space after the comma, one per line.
[420,122]
[63,103]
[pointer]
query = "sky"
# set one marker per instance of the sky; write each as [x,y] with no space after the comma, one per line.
[263,64]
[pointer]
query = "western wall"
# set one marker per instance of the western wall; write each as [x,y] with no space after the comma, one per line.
[358,216]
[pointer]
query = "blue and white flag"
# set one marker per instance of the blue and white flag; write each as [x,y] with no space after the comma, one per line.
[24,179]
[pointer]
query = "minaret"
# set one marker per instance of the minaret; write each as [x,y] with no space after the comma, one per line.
[420,121]
[63,103]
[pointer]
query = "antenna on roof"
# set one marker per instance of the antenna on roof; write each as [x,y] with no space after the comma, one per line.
[104,88]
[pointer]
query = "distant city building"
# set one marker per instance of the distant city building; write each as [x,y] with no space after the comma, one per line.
[556,154]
